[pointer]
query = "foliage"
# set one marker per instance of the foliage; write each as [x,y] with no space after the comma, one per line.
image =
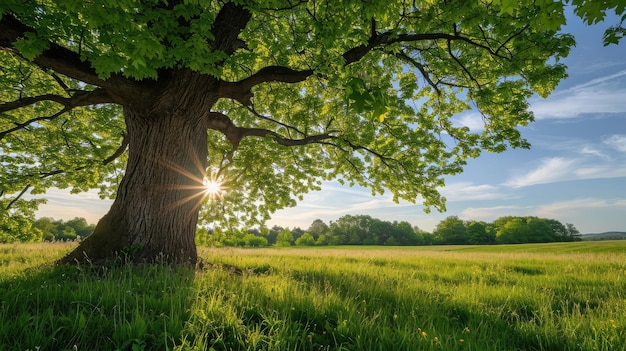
[563,296]
[368,92]
[18,228]
[73,229]
[252,240]
[451,231]
[479,233]
[284,238]
[365,230]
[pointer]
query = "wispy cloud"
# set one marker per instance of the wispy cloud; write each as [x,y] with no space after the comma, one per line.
[558,169]
[599,80]
[560,208]
[574,211]
[551,170]
[601,171]
[617,141]
[467,191]
[600,95]
[63,205]
[491,213]
[592,151]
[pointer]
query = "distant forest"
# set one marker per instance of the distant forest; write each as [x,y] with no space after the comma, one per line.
[365,230]
[23,229]
[347,230]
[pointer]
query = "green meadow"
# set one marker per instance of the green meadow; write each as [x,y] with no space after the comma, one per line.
[561,296]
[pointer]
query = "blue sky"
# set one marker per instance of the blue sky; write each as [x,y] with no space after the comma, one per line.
[575,171]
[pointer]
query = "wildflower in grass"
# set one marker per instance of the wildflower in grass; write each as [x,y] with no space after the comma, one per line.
[395,316]
[466,330]
[436,339]
[424,334]
[461,341]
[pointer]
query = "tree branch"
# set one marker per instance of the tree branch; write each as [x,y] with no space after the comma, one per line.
[120,150]
[241,90]
[469,74]
[287,126]
[229,22]
[15,199]
[403,56]
[55,57]
[82,98]
[19,126]
[222,123]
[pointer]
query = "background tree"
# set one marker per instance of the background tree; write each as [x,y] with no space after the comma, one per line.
[305,239]
[480,233]
[405,235]
[252,240]
[318,228]
[451,231]
[284,238]
[176,91]
[512,231]
[572,233]
[47,227]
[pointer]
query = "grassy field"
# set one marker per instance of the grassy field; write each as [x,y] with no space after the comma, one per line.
[568,296]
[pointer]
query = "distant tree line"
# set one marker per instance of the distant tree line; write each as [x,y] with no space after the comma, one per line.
[24,229]
[347,230]
[365,230]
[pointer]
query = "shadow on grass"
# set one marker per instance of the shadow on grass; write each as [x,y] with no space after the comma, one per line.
[95,308]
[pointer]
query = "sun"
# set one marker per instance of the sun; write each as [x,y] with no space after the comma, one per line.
[212,187]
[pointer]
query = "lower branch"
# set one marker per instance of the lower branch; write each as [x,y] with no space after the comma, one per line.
[15,199]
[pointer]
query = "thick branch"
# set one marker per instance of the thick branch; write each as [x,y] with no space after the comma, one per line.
[23,102]
[82,98]
[222,123]
[241,90]
[229,22]
[56,57]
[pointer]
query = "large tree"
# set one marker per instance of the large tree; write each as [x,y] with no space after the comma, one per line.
[147,99]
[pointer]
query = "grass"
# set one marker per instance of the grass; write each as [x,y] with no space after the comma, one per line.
[568,296]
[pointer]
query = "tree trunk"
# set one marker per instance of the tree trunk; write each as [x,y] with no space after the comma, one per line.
[155,213]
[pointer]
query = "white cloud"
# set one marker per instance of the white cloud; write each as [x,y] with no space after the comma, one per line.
[490,213]
[64,205]
[590,150]
[473,120]
[599,80]
[617,141]
[560,208]
[551,170]
[466,191]
[601,171]
[600,95]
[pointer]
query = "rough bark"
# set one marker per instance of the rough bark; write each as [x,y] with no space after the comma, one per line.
[155,213]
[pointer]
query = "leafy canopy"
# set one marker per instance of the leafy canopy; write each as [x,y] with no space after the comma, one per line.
[365,92]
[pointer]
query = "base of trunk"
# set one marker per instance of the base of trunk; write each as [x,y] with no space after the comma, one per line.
[108,245]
